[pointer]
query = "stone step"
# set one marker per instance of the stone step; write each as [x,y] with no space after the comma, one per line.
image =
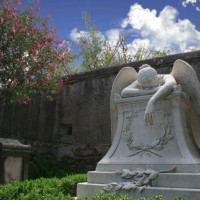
[168,193]
[89,189]
[177,180]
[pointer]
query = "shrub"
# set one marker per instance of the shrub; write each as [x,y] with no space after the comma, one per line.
[103,196]
[57,189]
[36,189]
[47,189]
[69,183]
[46,168]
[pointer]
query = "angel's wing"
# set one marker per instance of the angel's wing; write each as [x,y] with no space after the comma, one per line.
[124,78]
[187,78]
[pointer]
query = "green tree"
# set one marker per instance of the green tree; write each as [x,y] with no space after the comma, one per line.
[146,53]
[32,60]
[94,51]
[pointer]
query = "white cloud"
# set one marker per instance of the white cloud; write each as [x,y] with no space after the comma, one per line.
[135,44]
[192,2]
[152,29]
[161,30]
[112,36]
[75,34]
[186,2]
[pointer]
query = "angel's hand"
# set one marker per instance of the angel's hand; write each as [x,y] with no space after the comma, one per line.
[148,115]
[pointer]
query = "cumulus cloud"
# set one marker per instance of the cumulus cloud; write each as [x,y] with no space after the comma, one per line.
[192,2]
[152,29]
[186,2]
[161,30]
[112,36]
[198,8]
[75,34]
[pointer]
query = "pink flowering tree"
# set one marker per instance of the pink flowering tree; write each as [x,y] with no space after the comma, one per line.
[32,59]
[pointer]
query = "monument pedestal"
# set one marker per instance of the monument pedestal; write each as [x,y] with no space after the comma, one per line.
[161,159]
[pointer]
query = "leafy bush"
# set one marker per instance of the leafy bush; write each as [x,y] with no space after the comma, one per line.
[46,168]
[47,189]
[102,196]
[57,189]
[69,183]
[36,189]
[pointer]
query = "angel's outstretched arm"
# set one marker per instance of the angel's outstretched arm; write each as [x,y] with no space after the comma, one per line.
[164,90]
[133,90]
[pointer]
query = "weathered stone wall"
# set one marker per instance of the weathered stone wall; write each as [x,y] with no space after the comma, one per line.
[75,127]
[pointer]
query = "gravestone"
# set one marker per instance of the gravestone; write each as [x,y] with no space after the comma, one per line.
[155,150]
[14,157]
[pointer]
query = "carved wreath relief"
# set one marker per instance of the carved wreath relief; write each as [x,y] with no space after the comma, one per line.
[135,179]
[144,140]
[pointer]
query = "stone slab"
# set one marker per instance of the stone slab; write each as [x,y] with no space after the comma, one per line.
[168,193]
[175,180]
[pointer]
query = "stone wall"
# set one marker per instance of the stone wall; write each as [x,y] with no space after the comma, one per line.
[75,127]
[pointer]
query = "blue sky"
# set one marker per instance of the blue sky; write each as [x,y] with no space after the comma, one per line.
[158,24]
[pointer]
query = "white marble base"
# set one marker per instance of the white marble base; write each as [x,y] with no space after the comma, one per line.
[167,144]
[168,185]
[168,193]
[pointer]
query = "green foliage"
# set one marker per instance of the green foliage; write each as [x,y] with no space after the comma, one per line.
[42,189]
[47,168]
[179,198]
[103,196]
[32,61]
[57,189]
[144,53]
[70,182]
[38,189]
[94,51]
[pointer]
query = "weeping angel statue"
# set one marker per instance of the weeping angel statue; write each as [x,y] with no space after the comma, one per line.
[129,83]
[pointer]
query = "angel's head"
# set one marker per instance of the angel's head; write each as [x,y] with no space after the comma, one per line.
[147,77]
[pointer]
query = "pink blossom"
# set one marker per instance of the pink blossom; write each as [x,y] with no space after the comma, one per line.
[60,57]
[17,2]
[1,20]
[60,83]
[49,39]
[53,30]
[13,15]
[12,31]
[37,45]
[5,9]
[35,31]
[47,20]
[27,35]
[1,56]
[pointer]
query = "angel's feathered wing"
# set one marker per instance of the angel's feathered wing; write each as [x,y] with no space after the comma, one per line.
[124,78]
[185,75]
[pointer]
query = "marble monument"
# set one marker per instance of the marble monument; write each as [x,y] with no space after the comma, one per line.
[155,128]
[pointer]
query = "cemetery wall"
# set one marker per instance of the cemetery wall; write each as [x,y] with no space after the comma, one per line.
[75,127]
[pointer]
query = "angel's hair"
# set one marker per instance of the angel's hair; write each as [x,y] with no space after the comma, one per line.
[147,76]
[144,66]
